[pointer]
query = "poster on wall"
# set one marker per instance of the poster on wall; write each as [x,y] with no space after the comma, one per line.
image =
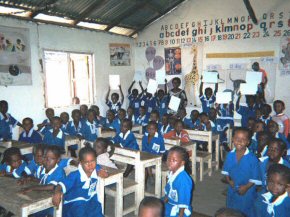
[173,61]
[120,54]
[284,62]
[15,56]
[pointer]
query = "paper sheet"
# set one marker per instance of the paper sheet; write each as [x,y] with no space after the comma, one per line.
[209,77]
[114,81]
[223,97]
[152,86]
[248,88]
[138,76]
[160,76]
[254,77]
[174,103]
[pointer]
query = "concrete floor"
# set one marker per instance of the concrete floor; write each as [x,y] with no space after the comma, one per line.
[207,198]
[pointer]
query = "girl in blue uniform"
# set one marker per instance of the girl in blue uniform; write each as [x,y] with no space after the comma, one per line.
[89,128]
[36,164]
[64,116]
[118,120]
[165,127]
[162,101]
[143,118]
[12,164]
[109,122]
[55,136]
[276,151]
[79,189]
[46,124]
[114,104]
[29,135]
[266,113]
[275,202]
[179,187]
[208,98]
[241,169]
[134,98]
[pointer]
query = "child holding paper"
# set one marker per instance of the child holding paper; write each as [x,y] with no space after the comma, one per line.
[114,104]
[134,98]
[177,92]
[246,111]
[208,99]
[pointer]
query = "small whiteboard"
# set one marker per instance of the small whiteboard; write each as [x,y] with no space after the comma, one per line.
[152,86]
[248,88]
[223,97]
[114,81]
[254,77]
[174,103]
[210,77]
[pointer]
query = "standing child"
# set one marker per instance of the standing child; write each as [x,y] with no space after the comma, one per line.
[266,111]
[114,104]
[276,202]
[179,187]
[143,117]
[207,99]
[280,118]
[246,111]
[103,157]
[261,87]
[29,134]
[241,169]
[55,136]
[46,124]
[134,98]
[89,129]
[151,207]
[79,189]
[162,101]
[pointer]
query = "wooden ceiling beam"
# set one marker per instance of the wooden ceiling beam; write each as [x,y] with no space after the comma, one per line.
[44,5]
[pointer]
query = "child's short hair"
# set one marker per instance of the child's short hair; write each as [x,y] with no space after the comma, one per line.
[280,143]
[27,119]
[75,111]
[10,152]
[208,89]
[56,150]
[86,150]
[155,112]
[243,130]
[122,110]
[279,101]
[103,141]
[38,147]
[280,169]
[3,102]
[267,108]
[184,155]
[154,203]
[176,79]
[227,212]
[116,95]
[129,122]
[179,121]
[153,123]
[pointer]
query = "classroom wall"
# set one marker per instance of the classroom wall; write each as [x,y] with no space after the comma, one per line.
[269,15]
[29,100]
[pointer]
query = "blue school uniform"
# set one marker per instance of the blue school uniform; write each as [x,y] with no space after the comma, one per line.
[72,130]
[49,139]
[89,131]
[46,128]
[81,195]
[253,147]
[221,127]
[18,172]
[246,112]
[266,120]
[100,121]
[6,126]
[133,119]
[64,128]
[142,120]
[207,103]
[134,102]
[162,105]
[32,137]
[265,207]
[193,125]
[156,145]
[164,129]
[126,141]
[242,172]
[264,166]
[178,190]
[150,103]
[114,107]
[54,176]
[117,125]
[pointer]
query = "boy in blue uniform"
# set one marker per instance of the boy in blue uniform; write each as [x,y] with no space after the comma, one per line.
[266,111]
[143,117]
[46,124]
[275,202]
[7,122]
[194,123]
[179,187]
[165,127]
[182,116]
[110,124]
[241,169]
[74,127]
[64,116]
[246,111]
[118,120]
[98,118]
[134,98]
[89,129]
[207,99]
[114,104]
[162,101]
[55,136]
[79,189]
[29,135]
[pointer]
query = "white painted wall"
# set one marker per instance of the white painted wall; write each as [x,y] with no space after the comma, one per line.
[29,100]
[210,9]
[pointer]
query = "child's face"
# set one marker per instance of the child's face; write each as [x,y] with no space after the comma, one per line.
[273,127]
[56,124]
[15,161]
[142,111]
[130,112]
[164,120]
[276,184]
[125,127]
[89,164]
[99,148]
[263,139]
[251,124]
[194,115]
[174,161]
[278,108]
[251,101]
[27,125]
[50,160]
[114,98]
[121,114]
[178,127]
[76,116]
[259,127]
[38,157]
[208,92]
[258,113]
[212,114]
[274,152]
[4,108]
[64,118]
[91,117]
[171,121]
[149,212]
[241,140]
[110,116]
[135,93]
[84,110]
[154,117]
[49,113]
[151,128]
[175,83]
[182,113]
[160,94]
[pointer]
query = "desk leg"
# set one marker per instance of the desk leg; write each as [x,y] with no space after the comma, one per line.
[193,162]
[140,177]
[217,152]
[119,197]
[101,194]
[24,212]
[158,179]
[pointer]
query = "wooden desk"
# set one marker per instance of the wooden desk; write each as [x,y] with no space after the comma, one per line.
[24,205]
[106,133]
[137,129]
[115,176]
[25,148]
[71,140]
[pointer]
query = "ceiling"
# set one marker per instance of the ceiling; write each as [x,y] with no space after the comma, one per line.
[125,17]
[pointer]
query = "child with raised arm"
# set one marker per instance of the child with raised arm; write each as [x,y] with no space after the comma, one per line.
[208,97]
[246,111]
[46,124]
[134,99]
[114,104]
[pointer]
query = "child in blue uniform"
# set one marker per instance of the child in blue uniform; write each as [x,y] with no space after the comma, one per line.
[241,169]
[36,164]
[29,135]
[114,104]
[89,129]
[118,120]
[151,207]
[79,189]
[134,98]
[130,115]
[194,122]
[98,118]
[12,164]
[266,111]
[262,139]
[55,136]
[74,127]
[246,111]
[162,101]
[7,122]
[179,187]
[64,116]
[109,123]
[208,98]
[276,151]
[143,117]
[46,124]
[84,112]
[182,116]
[149,101]
[275,202]
[165,127]
[273,129]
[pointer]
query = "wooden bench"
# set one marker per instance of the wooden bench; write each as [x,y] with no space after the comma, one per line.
[69,141]
[106,133]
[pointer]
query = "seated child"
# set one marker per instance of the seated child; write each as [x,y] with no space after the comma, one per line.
[273,130]
[55,136]
[266,111]
[110,124]
[241,169]
[207,99]
[194,122]
[130,115]
[134,98]
[162,101]
[143,118]
[263,139]
[208,124]
[149,101]
[179,187]
[258,114]
[178,133]
[64,116]
[36,164]
[29,134]
[79,188]
[103,157]
[118,120]
[275,202]
[98,118]
[46,124]
[280,118]
[114,104]
[246,111]
[13,164]
[84,112]
[74,127]
[7,122]
[89,129]
[165,127]
[151,207]
[182,116]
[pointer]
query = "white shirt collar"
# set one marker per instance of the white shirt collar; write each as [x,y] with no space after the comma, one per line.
[267,196]
[2,116]
[155,135]
[126,134]
[29,133]
[85,178]
[50,172]
[59,135]
[164,130]
[246,152]
[172,176]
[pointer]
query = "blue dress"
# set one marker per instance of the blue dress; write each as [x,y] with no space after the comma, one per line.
[165,129]
[264,207]
[150,103]
[6,126]
[44,129]
[80,195]
[134,102]
[16,173]
[178,190]
[207,103]
[162,105]
[246,112]
[126,141]
[58,140]
[114,107]
[156,145]
[32,137]
[242,172]
[89,131]
[193,125]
